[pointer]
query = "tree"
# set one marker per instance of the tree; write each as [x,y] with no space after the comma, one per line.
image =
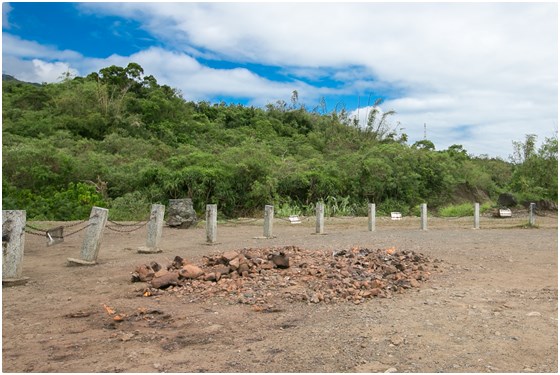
[378,128]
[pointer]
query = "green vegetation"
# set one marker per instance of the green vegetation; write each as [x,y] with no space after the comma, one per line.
[461,210]
[120,140]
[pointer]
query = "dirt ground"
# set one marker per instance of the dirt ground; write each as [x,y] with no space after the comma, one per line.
[491,307]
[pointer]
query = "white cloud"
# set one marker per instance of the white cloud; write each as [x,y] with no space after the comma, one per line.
[199,82]
[6,8]
[487,69]
[13,45]
[36,70]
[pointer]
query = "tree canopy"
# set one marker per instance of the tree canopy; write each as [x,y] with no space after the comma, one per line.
[117,138]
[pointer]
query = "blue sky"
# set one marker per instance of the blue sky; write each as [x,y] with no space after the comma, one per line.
[477,74]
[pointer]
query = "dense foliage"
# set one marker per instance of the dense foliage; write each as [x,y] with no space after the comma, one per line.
[118,139]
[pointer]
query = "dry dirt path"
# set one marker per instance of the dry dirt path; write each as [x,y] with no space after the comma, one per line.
[492,308]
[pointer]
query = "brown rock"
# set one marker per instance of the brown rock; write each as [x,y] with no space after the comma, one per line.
[155,266]
[190,271]
[212,276]
[161,273]
[280,260]
[165,280]
[244,267]
[234,264]
[228,256]
[177,262]
[267,266]
[221,269]
[144,273]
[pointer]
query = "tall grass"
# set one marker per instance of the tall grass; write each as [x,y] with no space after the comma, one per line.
[460,210]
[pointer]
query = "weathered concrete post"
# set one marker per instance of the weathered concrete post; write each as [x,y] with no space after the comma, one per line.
[211,223]
[424,216]
[268,219]
[13,241]
[477,215]
[154,228]
[532,208]
[320,223]
[371,217]
[92,239]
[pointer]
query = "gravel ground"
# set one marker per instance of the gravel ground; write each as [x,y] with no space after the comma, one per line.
[491,307]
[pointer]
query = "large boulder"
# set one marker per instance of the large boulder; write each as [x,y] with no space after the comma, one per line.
[507,200]
[181,214]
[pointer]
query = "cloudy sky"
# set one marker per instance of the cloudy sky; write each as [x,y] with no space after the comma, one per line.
[477,74]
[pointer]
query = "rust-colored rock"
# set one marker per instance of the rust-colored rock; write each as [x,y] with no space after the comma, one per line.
[190,271]
[234,264]
[253,276]
[165,280]
[228,256]
[143,273]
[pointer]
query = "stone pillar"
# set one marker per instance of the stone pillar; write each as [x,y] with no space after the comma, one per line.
[320,223]
[371,217]
[424,216]
[92,239]
[13,241]
[532,208]
[268,218]
[154,228]
[211,223]
[477,216]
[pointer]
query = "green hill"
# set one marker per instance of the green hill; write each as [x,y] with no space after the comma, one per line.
[118,139]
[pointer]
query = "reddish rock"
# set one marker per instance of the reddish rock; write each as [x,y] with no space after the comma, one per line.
[190,271]
[234,264]
[143,273]
[228,256]
[165,280]
[244,267]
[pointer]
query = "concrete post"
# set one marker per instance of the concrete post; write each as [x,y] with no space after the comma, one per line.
[477,216]
[211,223]
[320,223]
[13,241]
[532,208]
[154,228]
[371,217]
[92,239]
[268,218]
[424,216]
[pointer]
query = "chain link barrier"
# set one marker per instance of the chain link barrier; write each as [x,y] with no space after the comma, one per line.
[120,228]
[30,229]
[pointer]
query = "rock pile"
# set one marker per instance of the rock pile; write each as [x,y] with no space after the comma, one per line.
[255,276]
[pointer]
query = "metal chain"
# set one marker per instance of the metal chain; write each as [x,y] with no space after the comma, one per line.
[126,225]
[73,225]
[27,225]
[28,231]
[77,231]
[126,230]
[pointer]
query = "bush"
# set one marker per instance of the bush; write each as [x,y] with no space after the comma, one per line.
[130,207]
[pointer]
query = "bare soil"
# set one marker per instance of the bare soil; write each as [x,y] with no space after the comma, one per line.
[491,307]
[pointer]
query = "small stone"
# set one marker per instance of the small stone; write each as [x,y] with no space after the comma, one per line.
[534,313]
[397,340]
[390,370]
[281,260]
[234,264]
[230,255]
